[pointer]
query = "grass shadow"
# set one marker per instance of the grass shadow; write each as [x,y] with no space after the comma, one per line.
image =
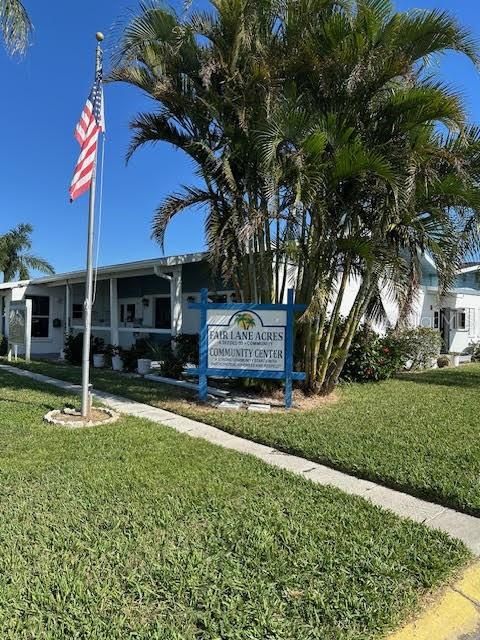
[464,376]
[10,381]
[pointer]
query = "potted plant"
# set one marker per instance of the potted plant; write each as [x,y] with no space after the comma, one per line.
[144,366]
[117,360]
[455,359]
[98,350]
[443,361]
[144,359]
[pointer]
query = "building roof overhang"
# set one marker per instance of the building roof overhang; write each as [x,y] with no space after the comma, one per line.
[115,270]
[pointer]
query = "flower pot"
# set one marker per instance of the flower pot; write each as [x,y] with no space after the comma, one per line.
[98,360]
[117,363]
[144,365]
[455,359]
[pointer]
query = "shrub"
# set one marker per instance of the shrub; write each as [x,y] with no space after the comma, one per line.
[420,346]
[186,347]
[130,356]
[98,345]
[111,350]
[475,351]
[73,347]
[171,365]
[373,357]
[3,346]
[370,358]
[443,361]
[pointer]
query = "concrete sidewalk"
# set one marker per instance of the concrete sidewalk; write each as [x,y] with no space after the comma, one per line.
[458,525]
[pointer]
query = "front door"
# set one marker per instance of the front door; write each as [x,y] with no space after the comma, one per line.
[445,322]
[163,313]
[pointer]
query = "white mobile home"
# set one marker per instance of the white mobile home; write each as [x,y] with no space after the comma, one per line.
[150,298]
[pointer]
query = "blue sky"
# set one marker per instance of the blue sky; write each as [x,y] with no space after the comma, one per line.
[43,95]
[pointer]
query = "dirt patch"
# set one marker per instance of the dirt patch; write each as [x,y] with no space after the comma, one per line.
[303,402]
[73,418]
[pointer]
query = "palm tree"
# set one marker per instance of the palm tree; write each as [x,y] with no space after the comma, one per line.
[15,259]
[374,183]
[210,77]
[15,26]
[315,126]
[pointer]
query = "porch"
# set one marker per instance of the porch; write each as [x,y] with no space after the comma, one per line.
[126,309]
[133,301]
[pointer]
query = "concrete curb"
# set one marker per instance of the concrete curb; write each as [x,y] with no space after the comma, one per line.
[455,616]
[459,525]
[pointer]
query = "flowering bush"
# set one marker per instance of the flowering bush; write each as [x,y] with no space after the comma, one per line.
[419,347]
[371,357]
[374,357]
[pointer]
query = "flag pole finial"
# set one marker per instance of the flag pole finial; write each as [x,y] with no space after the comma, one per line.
[99,36]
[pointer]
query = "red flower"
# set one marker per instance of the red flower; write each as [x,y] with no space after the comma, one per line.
[386,350]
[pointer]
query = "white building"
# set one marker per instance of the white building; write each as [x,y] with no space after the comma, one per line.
[149,299]
[146,299]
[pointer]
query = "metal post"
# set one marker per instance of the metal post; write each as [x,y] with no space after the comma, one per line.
[289,350]
[202,378]
[86,402]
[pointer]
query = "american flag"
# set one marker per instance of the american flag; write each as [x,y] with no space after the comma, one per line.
[89,126]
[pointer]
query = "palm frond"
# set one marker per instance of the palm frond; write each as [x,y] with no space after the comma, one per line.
[173,204]
[150,128]
[15,26]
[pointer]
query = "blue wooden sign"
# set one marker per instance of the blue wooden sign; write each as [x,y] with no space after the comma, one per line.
[246,340]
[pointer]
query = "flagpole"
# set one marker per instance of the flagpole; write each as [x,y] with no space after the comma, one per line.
[86,400]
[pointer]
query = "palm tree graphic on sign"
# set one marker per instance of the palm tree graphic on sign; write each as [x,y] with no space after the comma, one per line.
[244,321]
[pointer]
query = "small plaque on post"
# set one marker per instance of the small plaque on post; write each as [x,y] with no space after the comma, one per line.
[20,328]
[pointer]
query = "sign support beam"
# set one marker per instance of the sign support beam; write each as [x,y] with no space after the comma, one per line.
[202,379]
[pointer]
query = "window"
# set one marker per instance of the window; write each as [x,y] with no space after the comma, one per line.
[77,311]
[436,319]
[460,319]
[127,313]
[40,316]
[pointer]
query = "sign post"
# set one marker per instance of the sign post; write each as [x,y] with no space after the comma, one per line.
[243,340]
[20,328]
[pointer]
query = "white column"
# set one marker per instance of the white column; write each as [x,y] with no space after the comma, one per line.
[28,330]
[176,301]
[114,334]
[68,308]
[3,319]
[8,297]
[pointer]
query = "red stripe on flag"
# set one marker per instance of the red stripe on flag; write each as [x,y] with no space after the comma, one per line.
[86,134]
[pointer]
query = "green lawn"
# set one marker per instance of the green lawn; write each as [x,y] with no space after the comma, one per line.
[132,530]
[420,434]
